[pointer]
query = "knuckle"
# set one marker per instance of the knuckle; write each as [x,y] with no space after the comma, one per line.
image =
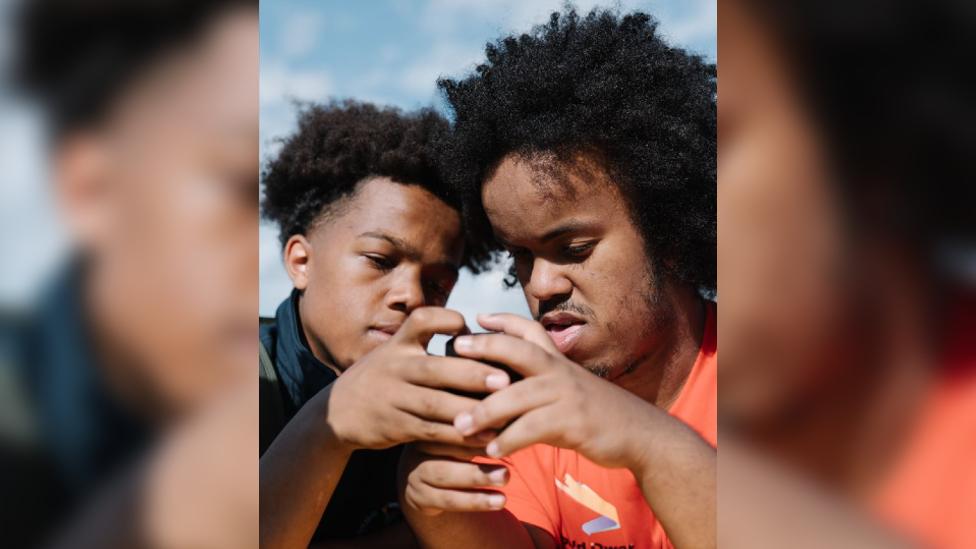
[483,412]
[429,430]
[422,316]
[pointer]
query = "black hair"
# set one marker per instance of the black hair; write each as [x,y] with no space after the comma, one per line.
[885,84]
[76,57]
[607,84]
[340,144]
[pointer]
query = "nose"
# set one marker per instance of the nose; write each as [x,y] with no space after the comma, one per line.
[547,280]
[406,292]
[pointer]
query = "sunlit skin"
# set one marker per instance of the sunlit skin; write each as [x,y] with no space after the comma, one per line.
[374,273]
[392,248]
[582,262]
[586,276]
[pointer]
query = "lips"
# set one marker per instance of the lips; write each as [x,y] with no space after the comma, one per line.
[564,329]
[384,331]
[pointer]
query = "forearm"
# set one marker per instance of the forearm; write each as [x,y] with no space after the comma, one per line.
[299,472]
[676,470]
[491,529]
[396,535]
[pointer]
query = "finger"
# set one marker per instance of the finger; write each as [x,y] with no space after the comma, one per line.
[417,429]
[522,356]
[424,322]
[538,426]
[448,473]
[463,453]
[456,373]
[433,500]
[520,327]
[500,408]
[431,404]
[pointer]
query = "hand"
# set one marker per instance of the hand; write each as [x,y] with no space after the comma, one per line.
[558,403]
[435,478]
[393,394]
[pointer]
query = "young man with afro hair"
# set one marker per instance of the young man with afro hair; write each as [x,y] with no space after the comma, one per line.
[372,241]
[586,149]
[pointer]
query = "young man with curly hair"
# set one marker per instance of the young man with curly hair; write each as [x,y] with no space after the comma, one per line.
[372,241]
[586,149]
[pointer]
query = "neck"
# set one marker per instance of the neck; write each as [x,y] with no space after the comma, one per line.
[848,436]
[659,376]
[318,348]
[126,378]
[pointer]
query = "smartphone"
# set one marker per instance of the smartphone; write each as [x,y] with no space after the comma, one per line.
[512,374]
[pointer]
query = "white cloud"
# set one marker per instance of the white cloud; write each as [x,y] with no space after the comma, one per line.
[300,34]
[419,78]
[281,83]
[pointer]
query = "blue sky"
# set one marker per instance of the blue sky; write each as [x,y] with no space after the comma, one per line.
[391,52]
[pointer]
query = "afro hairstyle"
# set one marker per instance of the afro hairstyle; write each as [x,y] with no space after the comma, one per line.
[605,84]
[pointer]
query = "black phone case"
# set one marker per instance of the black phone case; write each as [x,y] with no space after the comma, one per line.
[512,374]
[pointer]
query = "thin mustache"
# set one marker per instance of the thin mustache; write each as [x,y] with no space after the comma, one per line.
[564,307]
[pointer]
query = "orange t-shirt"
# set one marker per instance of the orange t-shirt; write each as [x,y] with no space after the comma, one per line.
[584,505]
[931,493]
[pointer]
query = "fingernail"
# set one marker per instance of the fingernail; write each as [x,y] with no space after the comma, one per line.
[496,501]
[463,343]
[492,450]
[496,381]
[463,422]
[498,476]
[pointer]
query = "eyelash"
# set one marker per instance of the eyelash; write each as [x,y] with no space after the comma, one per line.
[381,262]
[579,250]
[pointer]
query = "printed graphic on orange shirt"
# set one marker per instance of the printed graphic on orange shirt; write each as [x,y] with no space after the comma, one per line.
[585,496]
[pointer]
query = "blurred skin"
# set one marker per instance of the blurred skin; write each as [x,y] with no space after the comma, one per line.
[780,232]
[162,197]
[391,248]
[161,200]
[827,348]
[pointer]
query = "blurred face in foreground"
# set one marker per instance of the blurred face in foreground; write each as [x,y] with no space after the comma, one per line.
[365,265]
[581,262]
[782,280]
[162,198]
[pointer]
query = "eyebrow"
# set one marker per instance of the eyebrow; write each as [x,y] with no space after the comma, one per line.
[407,250]
[571,226]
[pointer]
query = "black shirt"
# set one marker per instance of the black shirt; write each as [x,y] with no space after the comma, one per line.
[63,435]
[365,500]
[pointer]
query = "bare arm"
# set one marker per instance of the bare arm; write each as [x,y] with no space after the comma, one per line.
[299,472]
[676,470]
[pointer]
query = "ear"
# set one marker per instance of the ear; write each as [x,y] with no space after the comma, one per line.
[297,255]
[81,183]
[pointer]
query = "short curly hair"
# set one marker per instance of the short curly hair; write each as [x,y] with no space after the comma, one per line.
[338,145]
[607,84]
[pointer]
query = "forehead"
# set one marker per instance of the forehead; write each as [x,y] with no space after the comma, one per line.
[524,198]
[408,212]
[203,91]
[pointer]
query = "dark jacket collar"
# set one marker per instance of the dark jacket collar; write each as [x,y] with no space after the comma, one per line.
[302,374]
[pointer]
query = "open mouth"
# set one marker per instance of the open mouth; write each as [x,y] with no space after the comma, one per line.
[564,329]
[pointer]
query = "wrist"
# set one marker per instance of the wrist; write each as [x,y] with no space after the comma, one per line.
[326,430]
[642,443]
